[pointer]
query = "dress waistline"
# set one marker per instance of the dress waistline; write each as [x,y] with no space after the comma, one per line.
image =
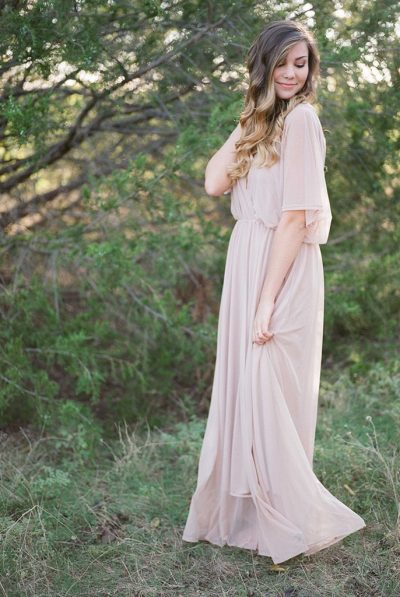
[269,226]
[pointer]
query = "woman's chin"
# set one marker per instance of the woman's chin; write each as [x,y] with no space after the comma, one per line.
[286,94]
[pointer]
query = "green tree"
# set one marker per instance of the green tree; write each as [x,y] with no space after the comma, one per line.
[112,254]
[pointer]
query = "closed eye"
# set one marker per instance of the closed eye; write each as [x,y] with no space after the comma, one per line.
[298,65]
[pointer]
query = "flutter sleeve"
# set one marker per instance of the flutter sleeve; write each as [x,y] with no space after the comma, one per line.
[303,178]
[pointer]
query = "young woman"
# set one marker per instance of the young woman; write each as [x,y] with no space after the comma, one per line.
[256,487]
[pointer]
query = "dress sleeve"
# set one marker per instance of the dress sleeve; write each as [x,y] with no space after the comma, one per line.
[303,178]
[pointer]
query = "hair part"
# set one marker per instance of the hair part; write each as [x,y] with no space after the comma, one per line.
[263,116]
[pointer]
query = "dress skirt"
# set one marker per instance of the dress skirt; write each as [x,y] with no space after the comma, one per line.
[256,488]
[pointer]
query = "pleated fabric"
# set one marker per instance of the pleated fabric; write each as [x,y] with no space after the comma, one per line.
[256,488]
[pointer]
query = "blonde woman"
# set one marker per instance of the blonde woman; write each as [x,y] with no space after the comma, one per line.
[256,488]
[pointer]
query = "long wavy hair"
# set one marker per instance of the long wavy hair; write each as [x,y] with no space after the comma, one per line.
[264,112]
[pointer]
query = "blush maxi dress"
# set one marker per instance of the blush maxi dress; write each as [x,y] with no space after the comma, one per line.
[256,488]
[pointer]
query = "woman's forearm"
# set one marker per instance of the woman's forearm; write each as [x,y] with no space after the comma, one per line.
[288,238]
[217,180]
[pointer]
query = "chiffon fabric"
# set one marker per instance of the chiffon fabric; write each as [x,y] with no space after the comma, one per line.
[256,488]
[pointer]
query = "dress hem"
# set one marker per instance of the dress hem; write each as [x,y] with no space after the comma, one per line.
[310,549]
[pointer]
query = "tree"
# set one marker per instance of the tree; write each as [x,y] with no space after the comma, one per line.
[112,252]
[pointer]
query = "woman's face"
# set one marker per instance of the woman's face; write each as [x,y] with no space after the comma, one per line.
[292,70]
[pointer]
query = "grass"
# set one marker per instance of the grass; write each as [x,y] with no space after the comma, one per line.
[109,522]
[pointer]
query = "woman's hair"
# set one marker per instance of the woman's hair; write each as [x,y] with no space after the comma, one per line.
[264,112]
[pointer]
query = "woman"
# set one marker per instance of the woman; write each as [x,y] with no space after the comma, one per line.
[256,487]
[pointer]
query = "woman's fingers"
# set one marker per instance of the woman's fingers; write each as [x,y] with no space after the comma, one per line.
[261,322]
[260,342]
[262,337]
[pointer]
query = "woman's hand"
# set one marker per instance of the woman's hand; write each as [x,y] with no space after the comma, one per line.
[261,332]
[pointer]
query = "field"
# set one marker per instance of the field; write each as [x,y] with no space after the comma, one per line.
[108,521]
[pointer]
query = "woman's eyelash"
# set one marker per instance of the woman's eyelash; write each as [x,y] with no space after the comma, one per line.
[298,65]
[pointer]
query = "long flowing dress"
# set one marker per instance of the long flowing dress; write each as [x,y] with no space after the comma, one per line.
[256,488]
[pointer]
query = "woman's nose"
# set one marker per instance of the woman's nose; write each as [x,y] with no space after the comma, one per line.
[289,73]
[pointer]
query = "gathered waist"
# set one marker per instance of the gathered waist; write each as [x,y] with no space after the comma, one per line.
[237,220]
[271,227]
[249,220]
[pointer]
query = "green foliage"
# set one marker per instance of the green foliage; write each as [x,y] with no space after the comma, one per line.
[129,331]
[25,119]
[362,301]
[119,314]
[110,301]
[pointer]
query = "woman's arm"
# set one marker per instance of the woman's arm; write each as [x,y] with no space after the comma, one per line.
[288,238]
[217,180]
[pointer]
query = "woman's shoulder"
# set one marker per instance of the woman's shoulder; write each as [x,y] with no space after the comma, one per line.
[303,122]
[303,116]
[302,112]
